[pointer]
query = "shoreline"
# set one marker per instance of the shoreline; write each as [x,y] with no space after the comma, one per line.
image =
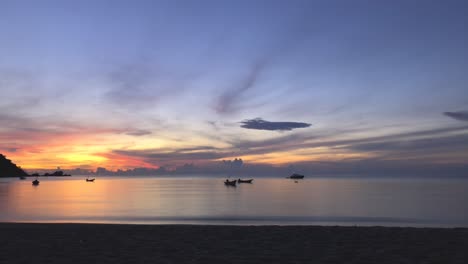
[123,243]
[236,223]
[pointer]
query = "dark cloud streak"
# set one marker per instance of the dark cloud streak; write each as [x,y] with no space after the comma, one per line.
[461,115]
[158,156]
[139,133]
[261,124]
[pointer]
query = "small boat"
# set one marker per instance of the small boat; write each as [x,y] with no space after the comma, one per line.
[22,177]
[35,182]
[230,183]
[296,176]
[244,181]
[90,180]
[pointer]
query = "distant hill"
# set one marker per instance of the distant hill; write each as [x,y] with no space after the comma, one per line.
[9,169]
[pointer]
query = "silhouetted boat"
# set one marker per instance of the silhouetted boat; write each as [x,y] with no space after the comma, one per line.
[296,176]
[35,182]
[244,181]
[22,177]
[90,180]
[230,183]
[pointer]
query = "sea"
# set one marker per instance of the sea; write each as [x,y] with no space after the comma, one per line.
[347,201]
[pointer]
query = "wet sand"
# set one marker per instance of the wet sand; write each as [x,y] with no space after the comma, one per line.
[94,243]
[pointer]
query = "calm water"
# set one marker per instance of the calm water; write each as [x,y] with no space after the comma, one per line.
[355,201]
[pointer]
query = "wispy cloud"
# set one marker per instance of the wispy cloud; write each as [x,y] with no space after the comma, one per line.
[460,115]
[425,146]
[143,84]
[8,149]
[130,84]
[229,99]
[261,124]
[449,143]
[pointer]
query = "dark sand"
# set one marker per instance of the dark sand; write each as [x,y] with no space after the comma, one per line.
[92,243]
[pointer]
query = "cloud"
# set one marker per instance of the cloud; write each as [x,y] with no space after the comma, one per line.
[207,154]
[234,164]
[460,115]
[261,124]
[140,132]
[287,139]
[427,142]
[420,148]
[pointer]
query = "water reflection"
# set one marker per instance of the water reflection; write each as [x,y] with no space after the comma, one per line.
[208,200]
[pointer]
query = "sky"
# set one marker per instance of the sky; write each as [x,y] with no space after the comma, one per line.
[330,85]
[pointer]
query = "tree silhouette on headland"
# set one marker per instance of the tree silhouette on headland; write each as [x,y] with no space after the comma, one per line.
[9,169]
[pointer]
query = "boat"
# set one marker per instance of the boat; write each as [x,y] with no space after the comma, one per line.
[35,182]
[230,183]
[245,181]
[90,180]
[296,176]
[22,177]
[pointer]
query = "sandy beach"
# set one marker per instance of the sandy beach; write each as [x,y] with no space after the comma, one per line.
[96,243]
